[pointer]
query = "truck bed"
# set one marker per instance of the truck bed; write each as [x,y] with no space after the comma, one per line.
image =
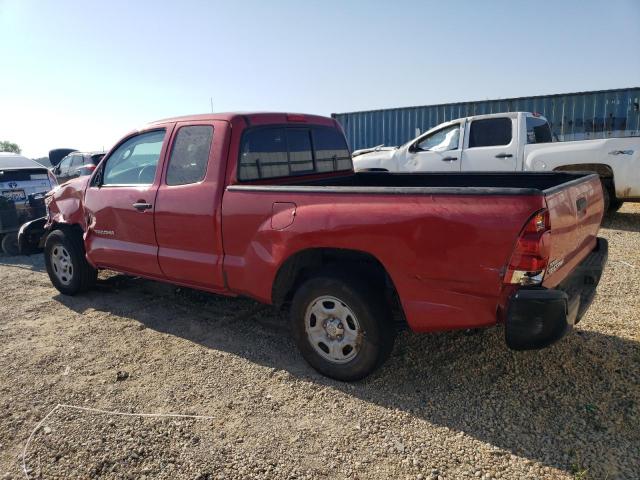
[481,183]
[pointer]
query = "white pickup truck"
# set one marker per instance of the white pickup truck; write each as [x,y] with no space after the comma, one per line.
[515,141]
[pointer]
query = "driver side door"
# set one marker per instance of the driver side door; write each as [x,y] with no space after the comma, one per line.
[120,204]
[437,151]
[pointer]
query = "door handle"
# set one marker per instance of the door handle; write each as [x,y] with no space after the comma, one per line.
[142,206]
[449,159]
[504,155]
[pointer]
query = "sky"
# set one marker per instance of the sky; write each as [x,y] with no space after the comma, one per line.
[81,74]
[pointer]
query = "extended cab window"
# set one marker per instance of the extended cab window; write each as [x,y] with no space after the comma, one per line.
[272,152]
[190,155]
[538,130]
[440,141]
[135,161]
[490,132]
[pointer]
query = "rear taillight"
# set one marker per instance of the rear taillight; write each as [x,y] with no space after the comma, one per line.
[531,254]
[52,179]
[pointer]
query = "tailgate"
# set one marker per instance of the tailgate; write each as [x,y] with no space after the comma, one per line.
[575,212]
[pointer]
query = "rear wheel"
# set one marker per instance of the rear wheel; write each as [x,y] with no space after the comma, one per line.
[66,264]
[342,326]
[606,193]
[10,244]
[611,203]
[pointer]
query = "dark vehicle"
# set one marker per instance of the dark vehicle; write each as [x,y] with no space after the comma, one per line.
[77,164]
[23,184]
[58,154]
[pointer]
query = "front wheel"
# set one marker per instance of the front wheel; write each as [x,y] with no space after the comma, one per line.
[342,326]
[66,264]
[10,244]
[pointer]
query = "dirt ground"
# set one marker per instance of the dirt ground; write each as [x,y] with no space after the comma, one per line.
[445,406]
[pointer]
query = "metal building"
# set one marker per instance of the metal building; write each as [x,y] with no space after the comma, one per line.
[573,116]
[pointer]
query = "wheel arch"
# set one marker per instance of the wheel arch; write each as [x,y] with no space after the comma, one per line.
[602,169]
[69,227]
[304,264]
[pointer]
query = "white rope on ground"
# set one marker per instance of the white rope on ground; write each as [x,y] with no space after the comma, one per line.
[100,411]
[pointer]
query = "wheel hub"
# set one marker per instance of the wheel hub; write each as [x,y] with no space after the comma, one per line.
[61,264]
[334,328]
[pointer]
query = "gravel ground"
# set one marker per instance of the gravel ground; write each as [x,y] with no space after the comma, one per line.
[445,406]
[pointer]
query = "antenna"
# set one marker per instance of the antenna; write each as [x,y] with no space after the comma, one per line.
[211,101]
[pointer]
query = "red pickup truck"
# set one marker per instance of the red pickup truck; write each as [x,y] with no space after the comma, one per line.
[267,205]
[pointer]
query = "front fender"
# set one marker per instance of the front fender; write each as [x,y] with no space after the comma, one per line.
[66,204]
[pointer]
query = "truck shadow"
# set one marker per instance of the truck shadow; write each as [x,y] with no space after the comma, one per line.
[34,263]
[627,221]
[572,404]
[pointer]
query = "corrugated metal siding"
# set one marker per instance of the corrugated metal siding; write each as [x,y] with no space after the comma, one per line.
[573,116]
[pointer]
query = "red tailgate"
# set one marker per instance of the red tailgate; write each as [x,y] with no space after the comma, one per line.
[575,212]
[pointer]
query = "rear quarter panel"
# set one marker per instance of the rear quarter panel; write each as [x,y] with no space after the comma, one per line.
[445,254]
[621,154]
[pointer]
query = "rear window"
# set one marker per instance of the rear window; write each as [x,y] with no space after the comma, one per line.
[490,132]
[96,157]
[273,152]
[538,130]
[23,175]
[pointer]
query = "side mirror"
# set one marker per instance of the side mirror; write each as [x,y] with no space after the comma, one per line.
[415,148]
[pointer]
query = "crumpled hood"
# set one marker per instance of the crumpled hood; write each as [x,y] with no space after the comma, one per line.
[379,158]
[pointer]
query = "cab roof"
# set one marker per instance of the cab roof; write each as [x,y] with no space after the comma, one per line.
[249,118]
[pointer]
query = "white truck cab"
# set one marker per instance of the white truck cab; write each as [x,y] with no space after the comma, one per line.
[513,141]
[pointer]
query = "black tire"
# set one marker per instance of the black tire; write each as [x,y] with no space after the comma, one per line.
[606,194]
[10,244]
[611,203]
[374,320]
[82,276]
[615,205]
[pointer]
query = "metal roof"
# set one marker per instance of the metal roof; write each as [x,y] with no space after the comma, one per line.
[572,116]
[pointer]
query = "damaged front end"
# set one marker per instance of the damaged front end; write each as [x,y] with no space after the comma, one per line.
[31,236]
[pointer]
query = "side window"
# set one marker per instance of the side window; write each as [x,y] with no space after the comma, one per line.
[490,132]
[538,130]
[441,141]
[331,151]
[76,161]
[135,161]
[190,155]
[63,167]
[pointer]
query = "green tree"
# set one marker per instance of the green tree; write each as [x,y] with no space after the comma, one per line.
[9,147]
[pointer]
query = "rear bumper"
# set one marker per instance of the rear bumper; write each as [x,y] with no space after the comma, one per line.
[538,317]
